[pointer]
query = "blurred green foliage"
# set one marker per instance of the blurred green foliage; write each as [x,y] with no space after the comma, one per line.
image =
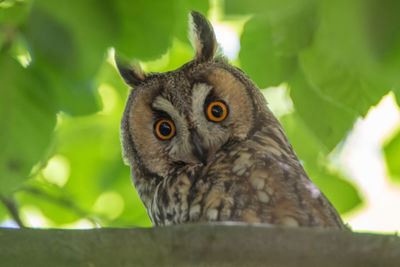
[61,97]
[392,155]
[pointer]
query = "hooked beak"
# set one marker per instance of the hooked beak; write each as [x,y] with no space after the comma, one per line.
[198,150]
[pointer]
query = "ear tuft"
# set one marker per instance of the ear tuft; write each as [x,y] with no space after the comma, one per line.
[132,73]
[202,36]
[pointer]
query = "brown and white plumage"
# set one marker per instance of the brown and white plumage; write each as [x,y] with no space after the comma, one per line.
[240,168]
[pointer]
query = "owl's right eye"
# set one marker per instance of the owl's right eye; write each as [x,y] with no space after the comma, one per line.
[164,129]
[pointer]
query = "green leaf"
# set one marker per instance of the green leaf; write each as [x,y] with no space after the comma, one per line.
[340,82]
[270,42]
[51,42]
[76,97]
[382,27]
[13,12]
[146,28]
[339,63]
[27,119]
[259,56]
[237,7]
[383,39]
[329,121]
[2,39]
[89,26]
[68,41]
[289,39]
[392,156]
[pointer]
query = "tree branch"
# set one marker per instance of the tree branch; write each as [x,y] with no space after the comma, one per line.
[197,245]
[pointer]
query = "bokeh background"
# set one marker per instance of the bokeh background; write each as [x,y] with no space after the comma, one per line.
[330,71]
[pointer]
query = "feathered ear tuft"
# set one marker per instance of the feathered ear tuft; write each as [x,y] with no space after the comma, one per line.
[132,73]
[202,36]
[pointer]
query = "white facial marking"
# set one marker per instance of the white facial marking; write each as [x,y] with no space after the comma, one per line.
[200,92]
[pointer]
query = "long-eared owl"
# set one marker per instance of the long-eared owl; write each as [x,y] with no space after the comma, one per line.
[203,146]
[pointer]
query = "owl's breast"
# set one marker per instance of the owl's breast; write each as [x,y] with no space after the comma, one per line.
[260,182]
[254,183]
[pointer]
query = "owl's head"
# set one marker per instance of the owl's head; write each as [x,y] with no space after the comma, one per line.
[182,118]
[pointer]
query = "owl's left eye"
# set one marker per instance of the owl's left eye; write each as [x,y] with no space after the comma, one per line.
[217,111]
[164,129]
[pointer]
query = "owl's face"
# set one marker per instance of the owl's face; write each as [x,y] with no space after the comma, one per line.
[182,118]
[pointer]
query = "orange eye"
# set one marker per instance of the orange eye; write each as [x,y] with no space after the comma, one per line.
[217,111]
[164,129]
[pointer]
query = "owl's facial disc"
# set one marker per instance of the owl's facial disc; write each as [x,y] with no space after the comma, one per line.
[178,126]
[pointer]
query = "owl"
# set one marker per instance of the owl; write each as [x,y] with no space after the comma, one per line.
[204,147]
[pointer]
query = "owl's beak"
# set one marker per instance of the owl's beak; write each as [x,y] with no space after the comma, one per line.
[198,150]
